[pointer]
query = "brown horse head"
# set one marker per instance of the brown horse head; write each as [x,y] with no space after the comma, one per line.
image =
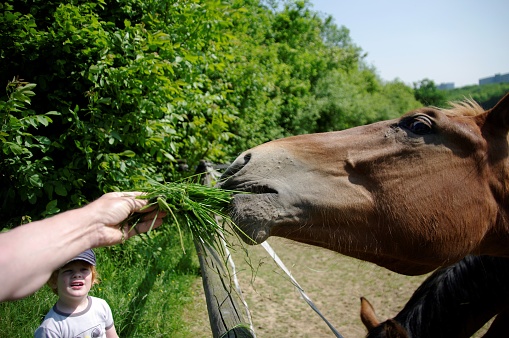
[410,194]
[454,301]
[388,329]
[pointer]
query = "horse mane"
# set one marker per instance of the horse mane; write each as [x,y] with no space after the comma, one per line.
[458,298]
[467,107]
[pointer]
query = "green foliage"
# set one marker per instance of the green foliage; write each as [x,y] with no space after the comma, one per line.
[344,102]
[24,160]
[132,98]
[295,72]
[135,86]
[428,94]
[486,95]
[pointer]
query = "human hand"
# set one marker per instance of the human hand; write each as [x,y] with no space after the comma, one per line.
[112,212]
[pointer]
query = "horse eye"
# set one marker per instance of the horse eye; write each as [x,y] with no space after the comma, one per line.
[420,125]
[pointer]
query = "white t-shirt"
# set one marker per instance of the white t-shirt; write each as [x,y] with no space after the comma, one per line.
[89,323]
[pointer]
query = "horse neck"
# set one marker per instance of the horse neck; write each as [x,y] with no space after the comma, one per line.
[495,241]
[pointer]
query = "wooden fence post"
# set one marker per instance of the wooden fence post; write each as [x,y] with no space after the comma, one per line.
[227,317]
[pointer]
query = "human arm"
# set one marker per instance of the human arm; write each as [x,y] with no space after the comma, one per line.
[111,332]
[31,252]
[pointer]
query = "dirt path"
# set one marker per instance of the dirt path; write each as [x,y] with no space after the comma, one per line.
[332,281]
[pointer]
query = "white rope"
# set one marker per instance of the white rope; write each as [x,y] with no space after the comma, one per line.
[215,175]
[278,261]
[237,285]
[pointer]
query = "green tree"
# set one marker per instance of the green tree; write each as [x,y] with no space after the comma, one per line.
[428,94]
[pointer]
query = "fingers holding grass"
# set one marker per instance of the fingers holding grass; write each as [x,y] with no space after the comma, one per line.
[191,207]
[151,218]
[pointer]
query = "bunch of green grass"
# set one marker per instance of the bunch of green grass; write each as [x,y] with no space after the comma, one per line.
[194,207]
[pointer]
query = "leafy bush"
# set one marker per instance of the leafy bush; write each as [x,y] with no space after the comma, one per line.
[131,99]
[24,161]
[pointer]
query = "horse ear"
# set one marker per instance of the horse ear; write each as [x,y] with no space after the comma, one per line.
[498,116]
[368,315]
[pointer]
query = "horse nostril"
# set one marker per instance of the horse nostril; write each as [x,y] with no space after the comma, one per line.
[236,166]
[247,158]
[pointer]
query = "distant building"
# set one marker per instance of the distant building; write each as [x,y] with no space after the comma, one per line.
[498,78]
[446,86]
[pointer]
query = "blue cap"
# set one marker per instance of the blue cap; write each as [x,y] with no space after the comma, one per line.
[87,256]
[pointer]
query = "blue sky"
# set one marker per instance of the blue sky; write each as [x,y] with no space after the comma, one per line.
[456,41]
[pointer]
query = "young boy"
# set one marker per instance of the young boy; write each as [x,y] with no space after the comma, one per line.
[76,314]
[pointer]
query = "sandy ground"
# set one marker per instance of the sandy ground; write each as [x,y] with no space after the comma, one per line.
[334,283]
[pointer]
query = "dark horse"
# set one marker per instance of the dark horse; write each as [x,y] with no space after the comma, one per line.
[410,194]
[453,302]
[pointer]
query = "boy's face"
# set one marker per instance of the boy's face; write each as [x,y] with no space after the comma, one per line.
[74,279]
